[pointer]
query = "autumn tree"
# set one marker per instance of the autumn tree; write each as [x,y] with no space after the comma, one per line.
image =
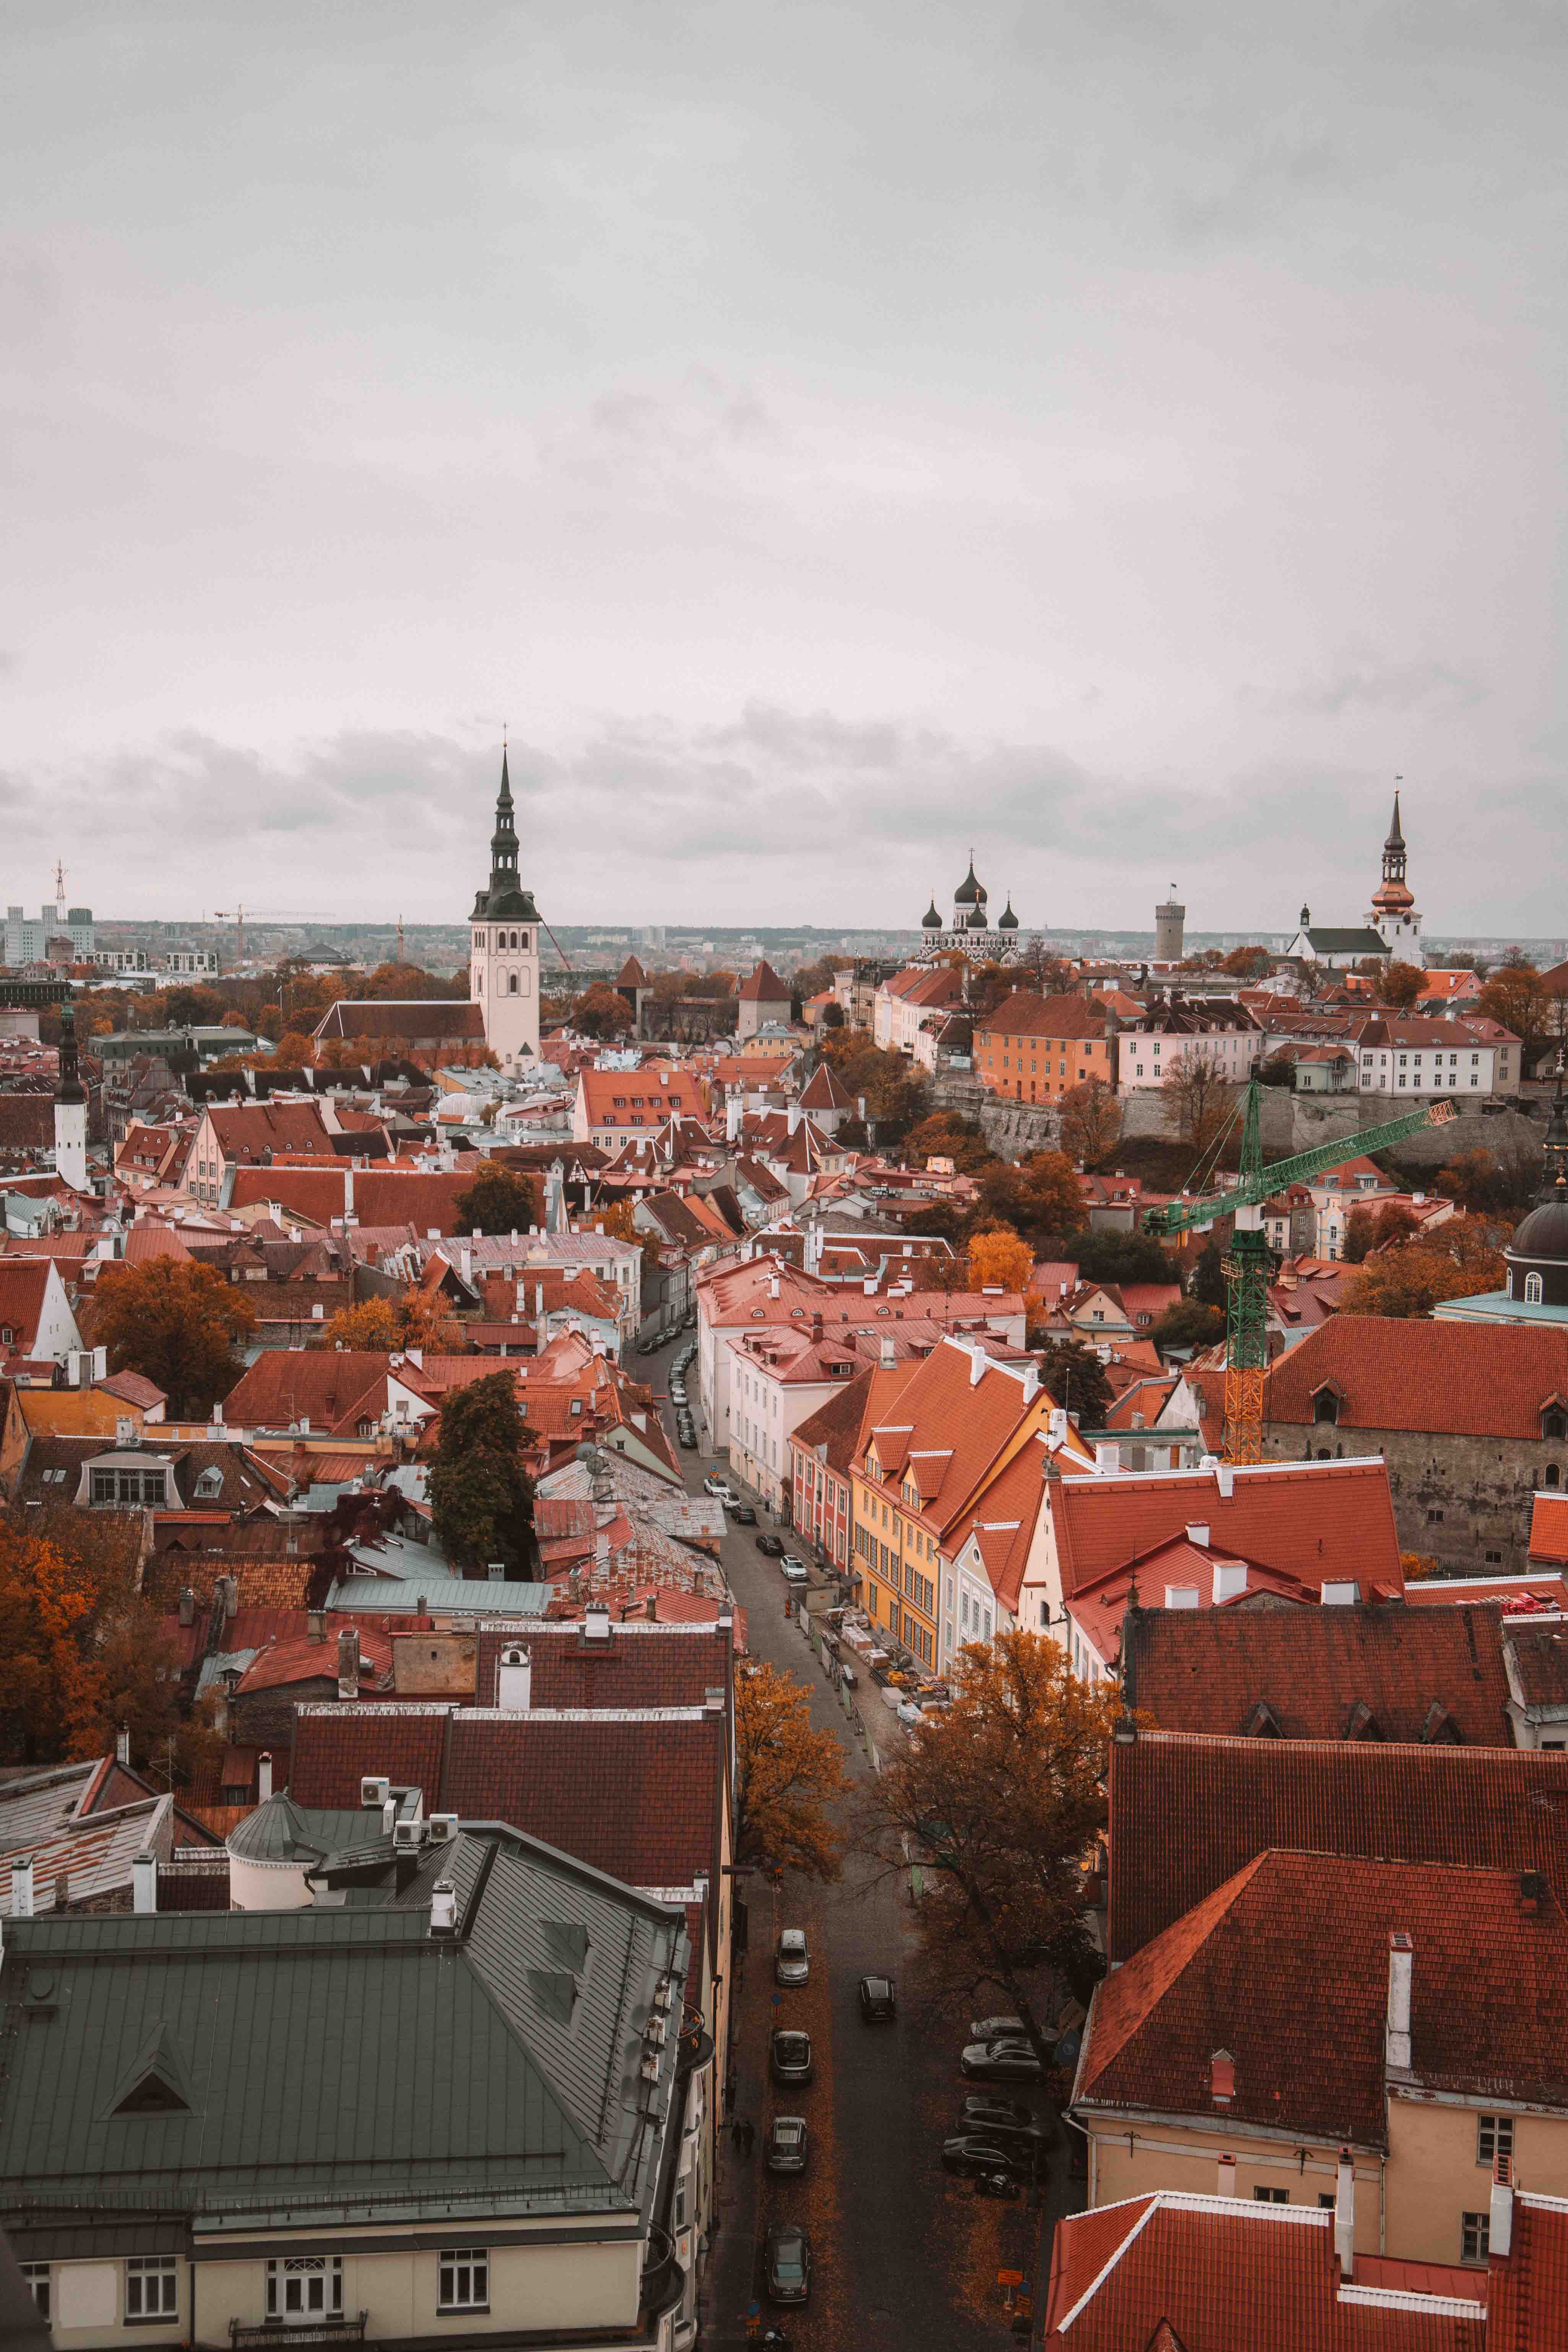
[370,1327]
[601,1011]
[1198,1097]
[498,1200]
[481,1498]
[896,1095]
[1040,1197]
[1459,1261]
[1518,997]
[1076,1378]
[178,1324]
[1091,1122]
[294,1051]
[1368,1228]
[789,1776]
[1399,985]
[1002,1796]
[1248,963]
[999,1259]
[945,1135]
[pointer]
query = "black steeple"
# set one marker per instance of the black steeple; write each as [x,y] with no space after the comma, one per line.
[69,1085]
[1554,1147]
[1393,848]
[501,896]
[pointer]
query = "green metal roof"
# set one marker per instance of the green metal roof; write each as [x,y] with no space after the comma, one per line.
[281,1830]
[338,2059]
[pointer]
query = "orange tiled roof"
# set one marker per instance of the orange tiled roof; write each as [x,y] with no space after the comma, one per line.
[1451,1378]
[1314,1519]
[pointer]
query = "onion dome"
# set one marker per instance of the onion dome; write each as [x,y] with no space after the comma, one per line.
[1008,921]
[930,921]
[1537,1256]
[977,921]
[969,893]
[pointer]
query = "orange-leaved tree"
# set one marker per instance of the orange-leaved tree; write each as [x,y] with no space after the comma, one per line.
[1001,1796]
[178,1325]
[1000,1260]
[789,1775]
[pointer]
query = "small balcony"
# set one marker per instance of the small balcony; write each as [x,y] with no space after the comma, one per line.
[339,2327]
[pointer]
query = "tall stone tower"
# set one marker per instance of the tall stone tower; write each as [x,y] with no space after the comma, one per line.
[70,1111]
[1393,914]
[503,954]
[1170,929]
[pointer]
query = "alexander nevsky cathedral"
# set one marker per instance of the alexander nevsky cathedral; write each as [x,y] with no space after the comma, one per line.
[970,930]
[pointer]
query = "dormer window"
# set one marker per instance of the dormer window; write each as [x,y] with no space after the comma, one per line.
[1326,1407]
[1554,1423]
[210,1485]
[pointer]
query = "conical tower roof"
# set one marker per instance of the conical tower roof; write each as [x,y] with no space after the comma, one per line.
[1396,835]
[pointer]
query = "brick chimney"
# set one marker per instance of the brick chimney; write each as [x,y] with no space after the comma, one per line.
[1345,2215]
[1401,1974]
[348,1663]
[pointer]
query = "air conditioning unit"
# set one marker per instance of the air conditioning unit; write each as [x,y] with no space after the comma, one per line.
[374,1794]
[408,1837]
[443,1828]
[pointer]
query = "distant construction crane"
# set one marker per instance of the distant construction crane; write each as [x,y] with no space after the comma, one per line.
[1247,1263]
[236,915]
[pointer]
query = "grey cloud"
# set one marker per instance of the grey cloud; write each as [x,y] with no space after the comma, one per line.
[1370,685]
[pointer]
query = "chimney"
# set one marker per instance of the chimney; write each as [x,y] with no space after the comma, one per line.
[144,1881]
[122,1745]
[22,1886]
[443,1908]
[1198,1532]
[514,1677]
[976,1364]
[1345,2215]
[1225,2185]
[1225,1479]
[772,1286]
[1107,1456]
[596,1621]
[1229,1579]
[1058,1425]
[316,1624]
[348,1663]
[1222,2078]
[888,1351]
[1401,1972]
[188,1605]
[230,1598]
[1501,2237]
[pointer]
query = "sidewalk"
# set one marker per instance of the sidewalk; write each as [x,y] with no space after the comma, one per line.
[728,2280]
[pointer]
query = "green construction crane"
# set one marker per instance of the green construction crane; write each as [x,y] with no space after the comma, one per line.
[1247,1265]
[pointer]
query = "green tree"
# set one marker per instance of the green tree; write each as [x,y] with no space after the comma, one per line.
[482,1497]
[1076,1378]
[1120,1257]
[1001,1797]
[179,1325]
[1208,1275]
[1188,1324]
[498,1200]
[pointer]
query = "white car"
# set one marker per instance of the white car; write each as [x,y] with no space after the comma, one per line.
[720,1488]
[794,1571]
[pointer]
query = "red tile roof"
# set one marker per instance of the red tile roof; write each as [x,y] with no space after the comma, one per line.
[1187,1812]
[1174,2273]
[1025,1014]
[24,1282]
[423,1021]
[640,1666]
[1549,1530]
[334,1390]
[1448,1378]
[763,986]
[1526,2308]
[1313,1521]
[1285,1966]
[1419,1673]
[245,1130]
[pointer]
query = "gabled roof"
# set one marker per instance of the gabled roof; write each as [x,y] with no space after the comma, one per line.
[1026,1015]
[763,986]
[1448,1378]
[1423,1675]
[640,1664]
[245,1130]
[831,1432]
[1187,1812]
[434,1019]
[824,1091]
[24,1287]
[1314,1520]
[334,1390]
[1286,1968]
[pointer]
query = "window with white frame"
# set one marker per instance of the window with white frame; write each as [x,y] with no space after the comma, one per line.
[464,2283]
[1494,2137]
[1475,2237]
[151,2287]
[302,2287]
[35,2279]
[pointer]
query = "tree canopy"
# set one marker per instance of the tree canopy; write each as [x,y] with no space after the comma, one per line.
[482,1497]
[1076,1378]
[178,1324]
[498,1200]
[1040,1198]
[999,1259]
[1091,1122]
[789,1776]
[1458,1261]
[1002,1796]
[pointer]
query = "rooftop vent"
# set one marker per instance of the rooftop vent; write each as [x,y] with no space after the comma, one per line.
[443,1908]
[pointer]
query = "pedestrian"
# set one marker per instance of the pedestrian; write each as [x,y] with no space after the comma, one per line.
[738,2133]
[749,2130]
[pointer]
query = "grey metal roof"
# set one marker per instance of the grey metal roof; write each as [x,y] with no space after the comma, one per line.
[40,1816]
[1357,943]
[346,2061]
[462,1596]
[281,1830]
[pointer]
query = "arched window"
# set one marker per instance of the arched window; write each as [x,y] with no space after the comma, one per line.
[1532,1290]
[527,941]
[514,939]
[1554,1423]
[1326,1407]
[481,981]
[1553,1476]
[512,985]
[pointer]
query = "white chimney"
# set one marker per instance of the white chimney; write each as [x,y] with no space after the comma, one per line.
[514,1678]
[1031,1382]
[1198,1532]
[888,1351]
[348,1663]
[1401,1972]
[22,1886]
[264,1776]
[1229,1579]
[1225,2185]
[1058,1425]
[443,1908]
[1107,1456]
[977,1361]
[1501,2237]
[144,1881]
[1345,2215]
[772,1286]
[596,1621]
[794,1117]
[122,1745]
[1225,1479]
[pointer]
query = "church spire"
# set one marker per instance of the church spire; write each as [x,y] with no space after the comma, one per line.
[1393,848]
[503,841]
[67,1086]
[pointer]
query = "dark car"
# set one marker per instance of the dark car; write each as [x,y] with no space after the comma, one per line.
[744,1515]
[879,2000]
[689,1440]
[788,2262]
[983,2109]
[787,2143]
[791,2054]
[1001,2062]
[973,2153]
[1032,2139]
[771,1546]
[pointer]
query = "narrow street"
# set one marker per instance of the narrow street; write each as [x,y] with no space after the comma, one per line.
[903,2254]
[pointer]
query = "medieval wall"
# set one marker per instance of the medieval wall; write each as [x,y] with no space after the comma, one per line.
[1464,1501]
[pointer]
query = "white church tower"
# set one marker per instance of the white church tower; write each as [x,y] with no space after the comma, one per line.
[1393,914]
[504,956]
[70,1111]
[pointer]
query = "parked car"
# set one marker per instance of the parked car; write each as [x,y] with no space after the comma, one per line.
[744,1515]
[972,2153]
[879,2000]
[787,2143]
[771,1546]
[1032,2139]
[792,1961]
[648,1346]
[789,2054]
[720,1488]
[794,1571]
[788,2262]
[1001,2062]
[984,2108]
[689,1440]
[996,2029]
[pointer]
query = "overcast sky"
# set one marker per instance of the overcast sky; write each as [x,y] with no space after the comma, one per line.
[1120,435]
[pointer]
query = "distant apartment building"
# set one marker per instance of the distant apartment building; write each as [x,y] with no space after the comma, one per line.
[1219,1031]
